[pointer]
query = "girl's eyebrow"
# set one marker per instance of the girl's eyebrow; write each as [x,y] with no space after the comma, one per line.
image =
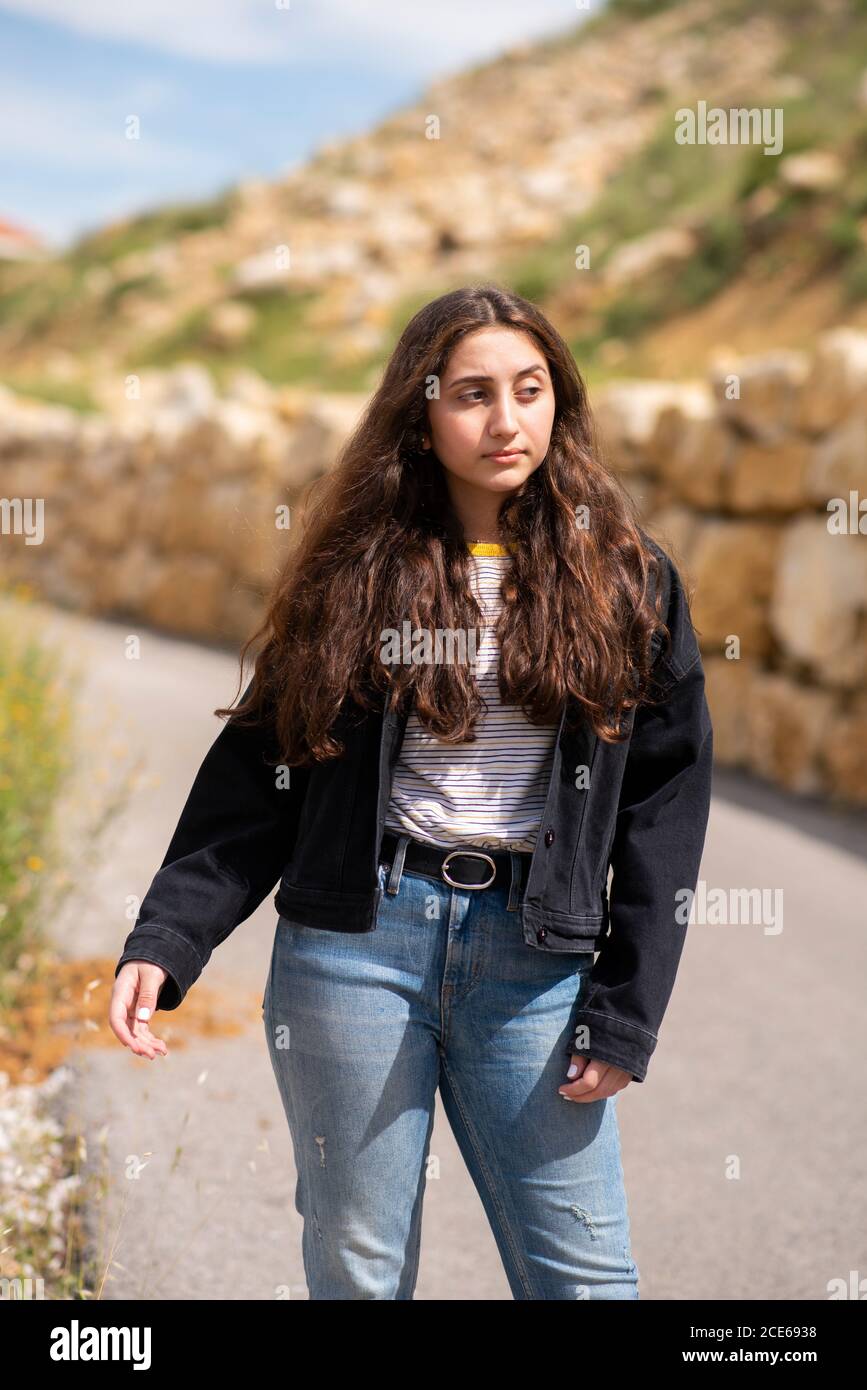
[525,371]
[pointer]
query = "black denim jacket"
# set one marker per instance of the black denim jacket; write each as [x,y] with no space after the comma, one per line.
[642,811]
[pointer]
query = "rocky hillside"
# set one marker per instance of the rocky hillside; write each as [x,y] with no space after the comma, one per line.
[504,172]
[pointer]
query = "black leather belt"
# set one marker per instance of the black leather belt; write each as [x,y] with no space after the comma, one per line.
[462,868]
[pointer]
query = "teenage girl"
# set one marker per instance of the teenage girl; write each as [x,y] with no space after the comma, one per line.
[470,500]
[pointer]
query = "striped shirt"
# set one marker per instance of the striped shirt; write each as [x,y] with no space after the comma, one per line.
[489,793]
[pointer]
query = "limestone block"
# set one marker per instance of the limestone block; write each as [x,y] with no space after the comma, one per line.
[812,171]
[627,415]
[845,755]
[728,686]
[230,324]
[767,406]
[788,726]
[837,380]
[818,602]
[245,610]
[105,516]
[188,596]
[211,519]
[645,255]
[127,581]
[676,529]
[731,564]
[839,461]
[770,477]
[694,449]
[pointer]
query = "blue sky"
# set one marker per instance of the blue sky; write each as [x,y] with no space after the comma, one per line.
[223,89]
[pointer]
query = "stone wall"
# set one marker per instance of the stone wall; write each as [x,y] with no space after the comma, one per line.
[170,509]
[755,482]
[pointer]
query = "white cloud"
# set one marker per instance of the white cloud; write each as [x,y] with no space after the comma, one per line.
[448,33]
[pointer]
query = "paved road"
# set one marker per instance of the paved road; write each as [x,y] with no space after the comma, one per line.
[760,1071]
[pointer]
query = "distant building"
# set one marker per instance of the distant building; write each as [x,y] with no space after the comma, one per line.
[16,244]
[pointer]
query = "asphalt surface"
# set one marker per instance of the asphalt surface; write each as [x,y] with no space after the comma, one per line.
[742,1149]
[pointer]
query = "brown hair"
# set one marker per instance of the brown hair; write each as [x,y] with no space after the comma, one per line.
[381,544]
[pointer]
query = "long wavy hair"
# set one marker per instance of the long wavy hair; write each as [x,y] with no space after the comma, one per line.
[381,544]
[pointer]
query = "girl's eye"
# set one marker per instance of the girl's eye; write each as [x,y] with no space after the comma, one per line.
[532,391]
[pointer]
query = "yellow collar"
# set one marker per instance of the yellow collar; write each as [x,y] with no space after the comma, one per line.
[486,548]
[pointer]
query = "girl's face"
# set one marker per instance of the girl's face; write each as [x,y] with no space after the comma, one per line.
[496,397]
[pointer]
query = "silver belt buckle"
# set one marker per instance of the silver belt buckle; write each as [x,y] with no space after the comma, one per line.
[470,854]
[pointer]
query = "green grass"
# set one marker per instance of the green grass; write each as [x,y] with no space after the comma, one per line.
[639,9]
[73,394]
[279,348]
[35,718]
[34,298]
[148,229]
[855,277]
[135,284]
[55,298]
[38,297]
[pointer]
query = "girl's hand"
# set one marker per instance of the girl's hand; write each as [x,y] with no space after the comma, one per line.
[135,993]
[593,1080]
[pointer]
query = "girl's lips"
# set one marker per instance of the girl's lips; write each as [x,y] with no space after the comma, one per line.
[512,454]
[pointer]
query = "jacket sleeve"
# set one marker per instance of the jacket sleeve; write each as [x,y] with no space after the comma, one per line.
[656,853]
[235,834]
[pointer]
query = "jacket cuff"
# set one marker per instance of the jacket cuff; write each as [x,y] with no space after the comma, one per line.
[613,1040]
[162,946]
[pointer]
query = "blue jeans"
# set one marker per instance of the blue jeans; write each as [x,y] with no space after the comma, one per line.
[363,1027]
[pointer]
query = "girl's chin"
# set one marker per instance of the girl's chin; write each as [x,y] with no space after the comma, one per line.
[516,467]
[499,484]
[497,477]
[506,477]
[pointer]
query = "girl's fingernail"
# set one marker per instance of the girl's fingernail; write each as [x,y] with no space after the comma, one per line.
[144,1014]
[572,1069]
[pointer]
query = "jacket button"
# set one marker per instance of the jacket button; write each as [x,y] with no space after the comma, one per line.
[541,933]
[549,837]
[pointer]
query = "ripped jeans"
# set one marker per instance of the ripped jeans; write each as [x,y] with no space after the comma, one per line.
[362,1028]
